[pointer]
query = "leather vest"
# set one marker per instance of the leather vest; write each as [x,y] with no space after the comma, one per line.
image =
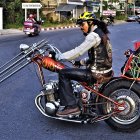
[98,57]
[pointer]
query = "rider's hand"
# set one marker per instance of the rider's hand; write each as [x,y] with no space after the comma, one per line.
[76,63]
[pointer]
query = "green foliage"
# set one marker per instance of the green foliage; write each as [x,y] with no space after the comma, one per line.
[2,4]
[13,13]
[105,5]
[14,26]
[46,24]
[120,16]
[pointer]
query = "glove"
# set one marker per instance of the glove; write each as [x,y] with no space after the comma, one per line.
[76,63]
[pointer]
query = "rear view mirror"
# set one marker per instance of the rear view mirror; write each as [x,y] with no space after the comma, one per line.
[23,47]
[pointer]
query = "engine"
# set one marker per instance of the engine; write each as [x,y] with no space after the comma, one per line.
[51,97]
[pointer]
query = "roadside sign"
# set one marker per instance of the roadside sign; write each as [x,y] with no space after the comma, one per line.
[27,6]
[108,12]
[31,5]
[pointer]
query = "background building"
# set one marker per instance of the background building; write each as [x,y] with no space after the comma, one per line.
[62,9]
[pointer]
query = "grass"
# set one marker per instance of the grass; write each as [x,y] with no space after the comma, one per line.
[13,26]
[45,25]
[48,24]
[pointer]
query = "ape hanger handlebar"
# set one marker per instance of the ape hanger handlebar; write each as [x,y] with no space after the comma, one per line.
[40,48]
[25,57]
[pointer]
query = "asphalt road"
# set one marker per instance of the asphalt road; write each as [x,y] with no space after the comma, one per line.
[20,119]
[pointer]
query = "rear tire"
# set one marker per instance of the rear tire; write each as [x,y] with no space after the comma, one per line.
[30,35]
[122,90]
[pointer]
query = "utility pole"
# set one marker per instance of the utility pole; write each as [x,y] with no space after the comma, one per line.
[126,8]
[101,8]
[134,7]
[1,18]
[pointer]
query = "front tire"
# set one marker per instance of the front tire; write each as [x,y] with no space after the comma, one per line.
[128,92]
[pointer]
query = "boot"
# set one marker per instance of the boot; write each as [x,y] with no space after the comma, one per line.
[67,111]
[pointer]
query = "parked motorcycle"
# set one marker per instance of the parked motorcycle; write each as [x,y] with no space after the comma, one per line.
[116,101]
[30,28]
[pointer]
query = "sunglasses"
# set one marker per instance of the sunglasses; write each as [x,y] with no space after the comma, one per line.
[81,24]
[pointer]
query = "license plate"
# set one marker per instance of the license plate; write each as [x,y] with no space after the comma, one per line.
[27,33]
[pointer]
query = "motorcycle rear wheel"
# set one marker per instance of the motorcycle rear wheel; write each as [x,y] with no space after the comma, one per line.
[122,91]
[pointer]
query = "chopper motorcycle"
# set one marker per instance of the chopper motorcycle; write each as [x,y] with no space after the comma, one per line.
[117,101]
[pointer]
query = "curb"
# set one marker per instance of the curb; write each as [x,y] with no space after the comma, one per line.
[15,31]
[10,31]
[58,28]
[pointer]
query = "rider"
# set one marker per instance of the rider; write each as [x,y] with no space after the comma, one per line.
[31,17]
[98,64]
[111,18]
[34,20]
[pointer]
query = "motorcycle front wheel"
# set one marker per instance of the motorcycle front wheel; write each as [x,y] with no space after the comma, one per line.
[128,93]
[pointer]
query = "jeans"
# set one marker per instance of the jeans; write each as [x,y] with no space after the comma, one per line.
[65,86]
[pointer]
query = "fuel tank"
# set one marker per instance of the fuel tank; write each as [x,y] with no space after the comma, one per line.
[52,65]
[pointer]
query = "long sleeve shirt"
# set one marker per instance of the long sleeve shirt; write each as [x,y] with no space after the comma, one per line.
[91,40]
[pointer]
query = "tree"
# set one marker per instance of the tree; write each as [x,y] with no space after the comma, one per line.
[14,11]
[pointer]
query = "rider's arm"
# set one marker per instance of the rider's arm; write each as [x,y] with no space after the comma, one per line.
[34,20]
[91,40]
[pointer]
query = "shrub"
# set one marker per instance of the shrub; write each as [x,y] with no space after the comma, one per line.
[120,15]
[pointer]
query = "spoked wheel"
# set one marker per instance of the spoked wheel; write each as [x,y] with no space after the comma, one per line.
[127,118]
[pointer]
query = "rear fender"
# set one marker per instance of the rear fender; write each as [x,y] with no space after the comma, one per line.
[112,80]
[103,86]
